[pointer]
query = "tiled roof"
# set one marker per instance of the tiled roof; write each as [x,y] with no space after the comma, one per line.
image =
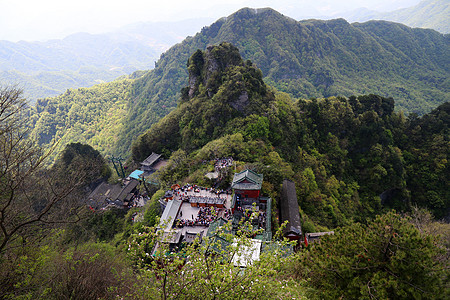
[129,187]
[289,208]
[247,180]
[169,214]
[149,161]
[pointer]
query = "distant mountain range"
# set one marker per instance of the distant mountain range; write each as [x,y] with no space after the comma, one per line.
[306,59]
[433,14]
[49,68]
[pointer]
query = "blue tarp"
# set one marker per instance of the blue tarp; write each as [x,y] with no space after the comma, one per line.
[136,174]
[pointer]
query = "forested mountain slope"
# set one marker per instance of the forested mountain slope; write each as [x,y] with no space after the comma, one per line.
[350,158]
[93,116]
[306,59]
[433,14]
[315,59]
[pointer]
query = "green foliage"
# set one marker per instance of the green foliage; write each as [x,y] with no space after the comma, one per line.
[76,156]
[436,12]
[305,59]
[91,116]
[234,145]
[153,211]
[427,158]
[319,59]
[157,195]
[90,271]
[259,129]
[225,94]
[211,269]
[95,226]
[388,258]
[350,157]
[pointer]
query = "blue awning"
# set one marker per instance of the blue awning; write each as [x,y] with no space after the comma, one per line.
[136,174]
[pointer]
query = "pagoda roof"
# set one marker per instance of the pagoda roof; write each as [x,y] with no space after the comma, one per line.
[247,180]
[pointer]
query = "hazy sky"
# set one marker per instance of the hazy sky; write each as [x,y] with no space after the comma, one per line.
[44,19]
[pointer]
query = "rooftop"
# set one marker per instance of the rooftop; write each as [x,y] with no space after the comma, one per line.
[149,161]
[289,209]
[184,216]
[169,214]
[135,174]
[247,180]
[117,194]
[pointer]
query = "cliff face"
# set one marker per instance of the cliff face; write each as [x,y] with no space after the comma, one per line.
[222,91]
[220,74]
[206,68]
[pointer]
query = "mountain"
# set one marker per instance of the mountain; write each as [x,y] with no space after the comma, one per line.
[308,59]
[222,88]
[91,116]
[313,59]
[350,158]
[49,68]
[433,14]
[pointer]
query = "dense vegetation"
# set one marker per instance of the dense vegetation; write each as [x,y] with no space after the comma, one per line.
[94,116]
[305,59]
[321,58]
[389,258]
[351,159]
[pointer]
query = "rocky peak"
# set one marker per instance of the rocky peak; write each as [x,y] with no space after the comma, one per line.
[206,68]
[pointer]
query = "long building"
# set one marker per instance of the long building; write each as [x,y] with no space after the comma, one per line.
[289,211]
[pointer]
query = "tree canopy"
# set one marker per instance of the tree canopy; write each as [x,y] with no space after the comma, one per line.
[387,258]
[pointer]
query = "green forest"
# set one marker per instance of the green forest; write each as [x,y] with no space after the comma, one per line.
[377,178]
[343,153]
[305,59]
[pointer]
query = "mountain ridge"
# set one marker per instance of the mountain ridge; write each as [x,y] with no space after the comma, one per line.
[432,14]
[308,59]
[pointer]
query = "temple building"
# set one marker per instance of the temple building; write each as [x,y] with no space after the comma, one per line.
[247,200]
[289,211]
[152,163]
[194,212]
[247,184]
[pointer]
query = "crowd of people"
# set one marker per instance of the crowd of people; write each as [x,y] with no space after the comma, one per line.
[204,217]
[223,163]
[196,194]
[247,213]
[185,189]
